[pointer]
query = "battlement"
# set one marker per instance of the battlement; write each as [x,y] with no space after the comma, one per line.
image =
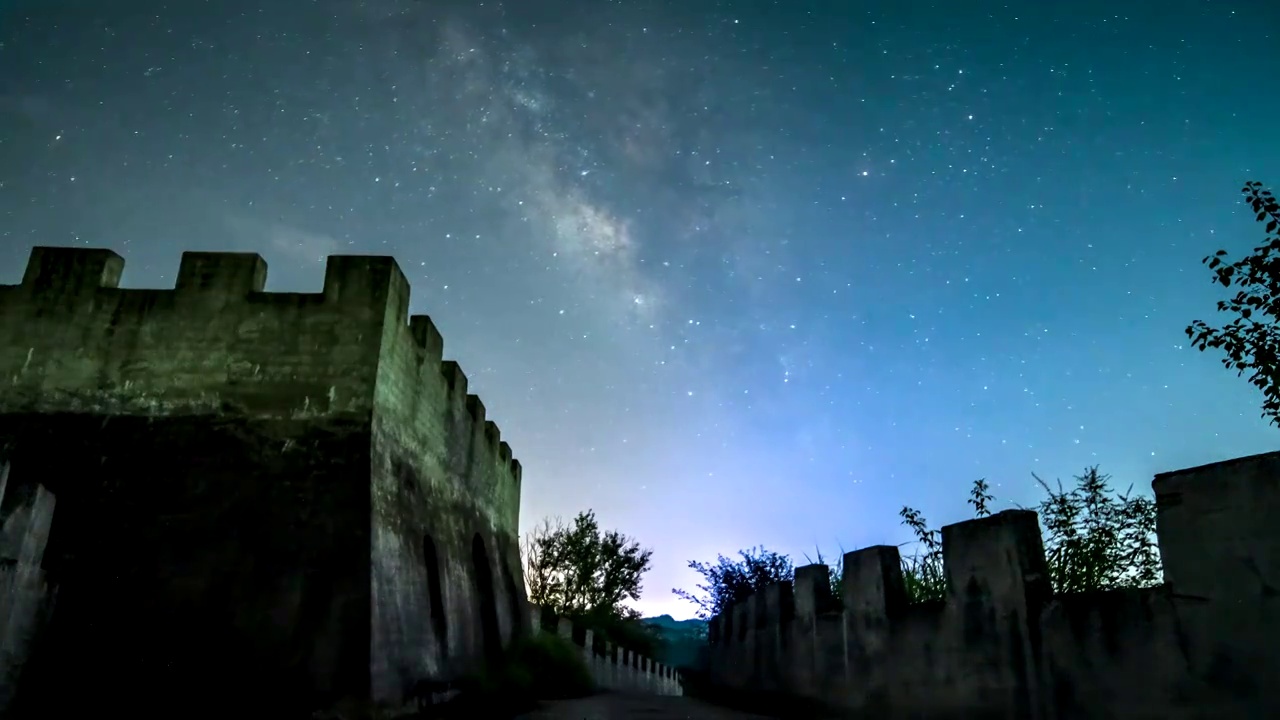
[455,381]
[55,273]
[1002,645]
[73,340]
[987,554]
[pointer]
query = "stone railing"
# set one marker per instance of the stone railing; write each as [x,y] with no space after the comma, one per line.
[612,668]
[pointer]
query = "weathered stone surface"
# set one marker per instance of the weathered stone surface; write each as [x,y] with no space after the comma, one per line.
[262,499]
[1204,645]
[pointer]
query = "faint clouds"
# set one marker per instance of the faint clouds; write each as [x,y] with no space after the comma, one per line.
[279,238]
[31,108]
[301,244]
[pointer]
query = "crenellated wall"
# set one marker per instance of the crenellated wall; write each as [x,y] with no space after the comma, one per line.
[1204,645]
[611,667]
[297,479]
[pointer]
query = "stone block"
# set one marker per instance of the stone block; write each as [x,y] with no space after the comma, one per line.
[228,276]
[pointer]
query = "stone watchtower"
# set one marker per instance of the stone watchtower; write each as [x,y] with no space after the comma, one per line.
[218,494]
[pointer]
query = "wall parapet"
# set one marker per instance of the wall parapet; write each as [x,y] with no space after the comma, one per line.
[1002,645]
[611,667]
[73,341]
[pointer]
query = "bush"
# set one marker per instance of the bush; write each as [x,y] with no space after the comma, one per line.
[628,633]
[1095,538]
[531,669]
[542,667]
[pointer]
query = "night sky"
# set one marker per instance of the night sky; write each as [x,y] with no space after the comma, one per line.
[727,273]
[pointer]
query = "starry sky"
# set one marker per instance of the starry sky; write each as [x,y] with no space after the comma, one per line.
[728,273]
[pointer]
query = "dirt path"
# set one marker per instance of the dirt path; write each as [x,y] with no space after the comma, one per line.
[614,706]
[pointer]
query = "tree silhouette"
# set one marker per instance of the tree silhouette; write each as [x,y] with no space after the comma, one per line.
[1251,341]
[589,575]
[730,580]
[578,570]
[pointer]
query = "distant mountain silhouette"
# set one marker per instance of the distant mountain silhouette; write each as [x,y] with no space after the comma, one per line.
[681,640]
[668,623]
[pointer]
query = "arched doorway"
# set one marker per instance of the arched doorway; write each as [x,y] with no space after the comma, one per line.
[518,618]
[435,594]
[488,601]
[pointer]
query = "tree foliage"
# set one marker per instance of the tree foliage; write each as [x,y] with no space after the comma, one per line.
[729,580]
[922,574]
[1098,539]
[578,570]
[589,575]
[922,571]
[1251,341]
[1094,539]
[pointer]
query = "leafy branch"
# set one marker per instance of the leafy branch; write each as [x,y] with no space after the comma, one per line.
[1250,342]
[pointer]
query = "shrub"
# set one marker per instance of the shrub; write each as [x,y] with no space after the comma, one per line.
[1095,538]
[541,667]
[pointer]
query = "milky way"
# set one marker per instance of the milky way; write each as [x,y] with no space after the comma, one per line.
[727,273]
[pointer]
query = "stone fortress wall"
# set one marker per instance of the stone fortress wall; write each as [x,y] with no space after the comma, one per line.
[296,479]
[611,667]
[1206,644]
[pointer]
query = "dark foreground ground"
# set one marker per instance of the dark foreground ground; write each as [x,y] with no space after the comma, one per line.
[617,706]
